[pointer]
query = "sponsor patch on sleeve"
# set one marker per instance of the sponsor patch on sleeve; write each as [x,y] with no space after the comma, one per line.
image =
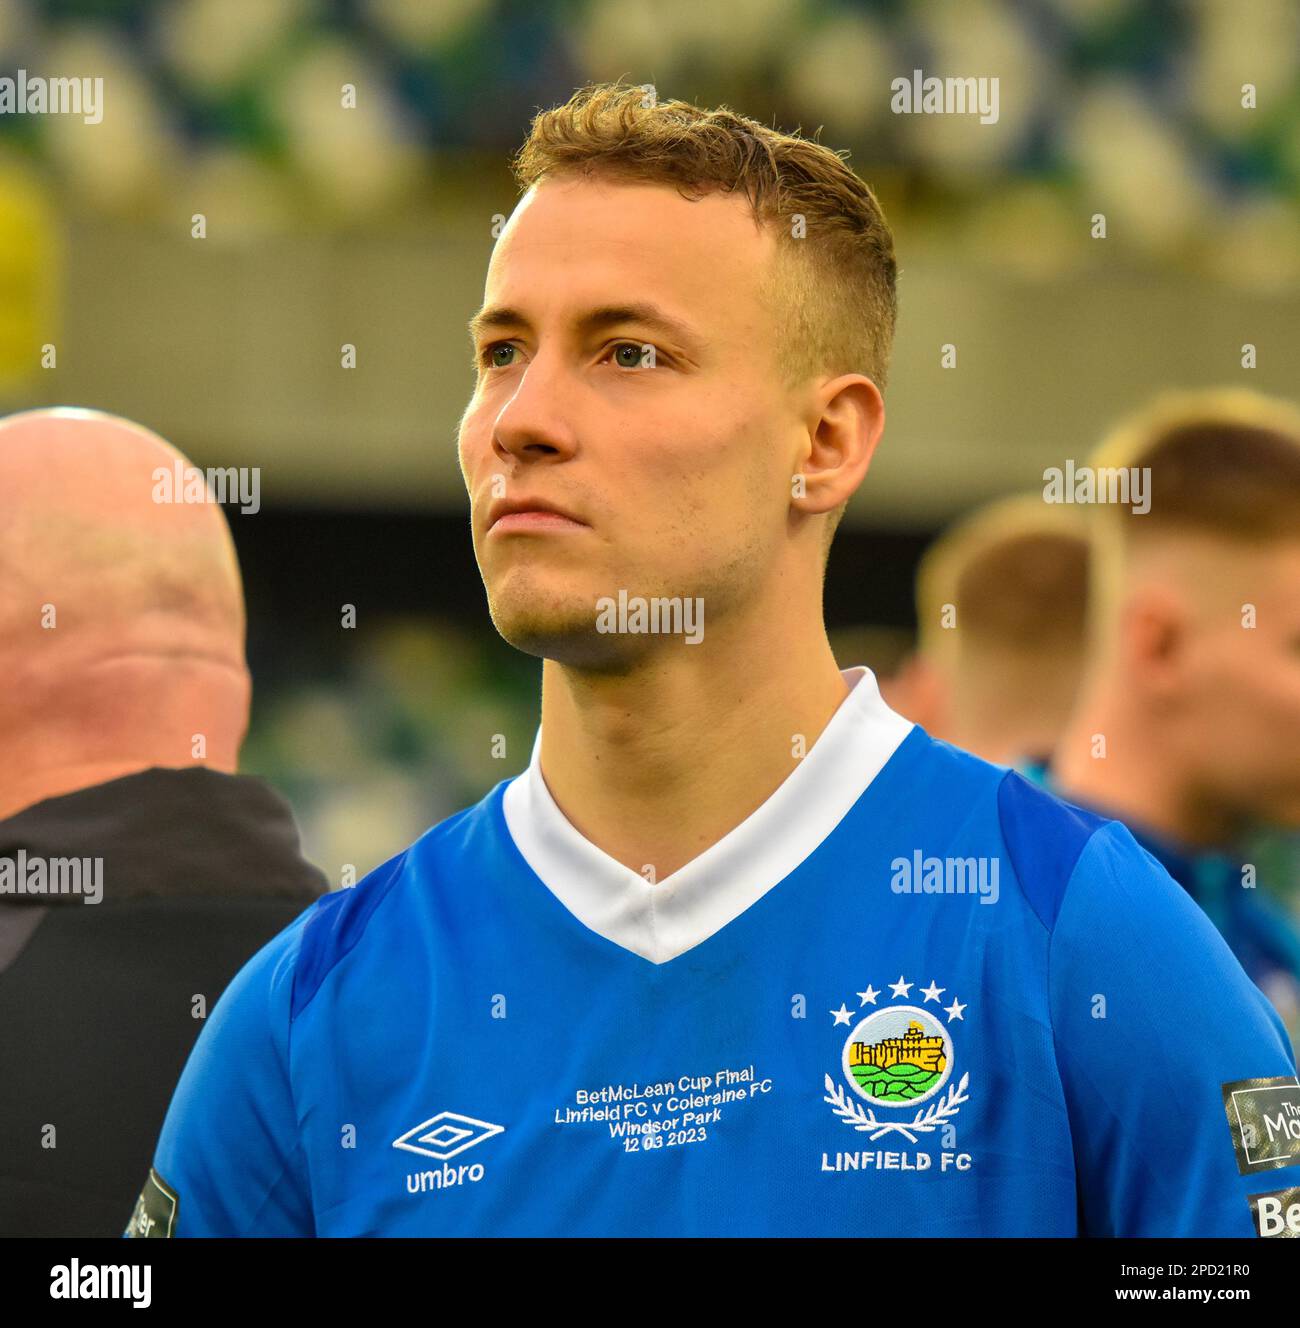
[1264,1121]
[155,1212]
[1277,1214]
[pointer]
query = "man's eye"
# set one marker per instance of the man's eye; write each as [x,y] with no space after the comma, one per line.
[634,355]
[488,355]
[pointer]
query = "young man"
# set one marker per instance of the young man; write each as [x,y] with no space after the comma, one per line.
[1001,598]
[1188,726]
[687,973]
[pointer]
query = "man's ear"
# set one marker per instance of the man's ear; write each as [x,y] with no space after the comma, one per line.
[845,421]
[1153,632]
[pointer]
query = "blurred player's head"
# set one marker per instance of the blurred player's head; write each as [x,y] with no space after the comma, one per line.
[1001,604]
[1194,663]
[685,312]
[121,618]
[888,650]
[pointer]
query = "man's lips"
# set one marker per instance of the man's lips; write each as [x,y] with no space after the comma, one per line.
[533,519]
[525,514]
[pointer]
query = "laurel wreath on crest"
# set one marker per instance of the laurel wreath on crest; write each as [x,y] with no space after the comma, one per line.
[862,1118]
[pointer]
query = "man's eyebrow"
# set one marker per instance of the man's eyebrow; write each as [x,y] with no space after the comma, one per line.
[606,315]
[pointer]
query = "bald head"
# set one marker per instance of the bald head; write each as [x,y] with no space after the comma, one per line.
[121,617]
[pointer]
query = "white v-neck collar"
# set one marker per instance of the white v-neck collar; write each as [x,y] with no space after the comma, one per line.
[661,921]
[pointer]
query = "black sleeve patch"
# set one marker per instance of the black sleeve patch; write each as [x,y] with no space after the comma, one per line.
[1264,1121]
[155,1212]
[1277,1214]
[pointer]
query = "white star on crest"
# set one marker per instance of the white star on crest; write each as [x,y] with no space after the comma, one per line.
[869,996]
[842,1015]
[954,1010]
[932,993]
[901,987]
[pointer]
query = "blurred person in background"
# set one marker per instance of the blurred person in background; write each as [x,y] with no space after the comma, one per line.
[125,701]
[1000,605]
[1188,722]
[888,650]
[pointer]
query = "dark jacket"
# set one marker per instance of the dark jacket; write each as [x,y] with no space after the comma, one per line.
[98,1007]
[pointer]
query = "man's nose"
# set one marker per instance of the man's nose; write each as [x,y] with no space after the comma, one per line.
[536,422]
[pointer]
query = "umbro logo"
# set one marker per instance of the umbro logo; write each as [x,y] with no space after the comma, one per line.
[446,1134]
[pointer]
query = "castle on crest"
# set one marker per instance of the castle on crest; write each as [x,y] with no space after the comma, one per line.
[913,1048]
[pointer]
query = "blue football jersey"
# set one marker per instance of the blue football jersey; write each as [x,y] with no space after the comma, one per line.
[1257,927]
[912,994]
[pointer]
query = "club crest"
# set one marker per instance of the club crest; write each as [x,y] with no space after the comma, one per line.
[900,1053]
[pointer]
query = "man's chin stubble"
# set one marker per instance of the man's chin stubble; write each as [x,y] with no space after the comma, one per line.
[571,640]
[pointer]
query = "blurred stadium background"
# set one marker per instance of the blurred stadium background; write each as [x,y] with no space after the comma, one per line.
[372,227]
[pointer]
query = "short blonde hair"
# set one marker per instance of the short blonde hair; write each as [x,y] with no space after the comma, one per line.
[1220,461]
[1016,573]
[832,291]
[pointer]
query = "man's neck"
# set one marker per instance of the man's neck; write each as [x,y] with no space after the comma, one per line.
[656,765]
[1006,744]
[1135,779]
[38,783]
